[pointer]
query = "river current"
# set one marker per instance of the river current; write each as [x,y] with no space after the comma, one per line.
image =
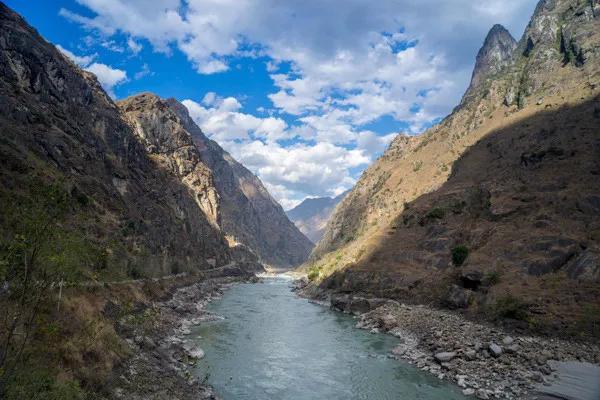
[273,345]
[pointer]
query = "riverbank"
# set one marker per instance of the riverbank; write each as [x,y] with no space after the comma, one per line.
[161,362]
[484,360]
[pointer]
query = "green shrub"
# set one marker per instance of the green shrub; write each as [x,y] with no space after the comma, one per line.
[313,273]
[492,278]
[459,255]
[510,307]
[417,165]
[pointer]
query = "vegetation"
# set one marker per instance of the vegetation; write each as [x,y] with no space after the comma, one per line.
[492,278]
[38,256]
[459,255]
[510,307]
[313,273]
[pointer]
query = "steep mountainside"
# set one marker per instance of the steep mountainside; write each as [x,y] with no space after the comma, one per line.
[59,128]
[248,213]
[311,215]
[497,206]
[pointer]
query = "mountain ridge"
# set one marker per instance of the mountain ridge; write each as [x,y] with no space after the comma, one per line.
[396,232]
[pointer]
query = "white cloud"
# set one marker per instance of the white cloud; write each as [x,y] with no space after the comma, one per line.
[82,61]
[134,46]
[145,71]
[108,76]
[335,70]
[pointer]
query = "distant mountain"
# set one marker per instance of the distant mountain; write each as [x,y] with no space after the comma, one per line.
[311,215]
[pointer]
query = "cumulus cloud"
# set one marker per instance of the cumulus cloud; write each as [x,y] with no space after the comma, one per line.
[82,61]
[334,69]
[108,76]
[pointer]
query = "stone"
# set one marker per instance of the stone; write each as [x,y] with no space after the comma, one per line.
[495,350]
[457,297]
[513,348]
[468,392]
[507,341]
[444,356]
[399,350]
[470,355]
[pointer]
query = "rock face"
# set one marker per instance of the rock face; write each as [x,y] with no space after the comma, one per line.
[248,213]
[508,182]
[496,54]
[311,215]
[161,132]
[58,125]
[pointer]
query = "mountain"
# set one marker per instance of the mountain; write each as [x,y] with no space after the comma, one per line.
[495,210]
[248,213]
[311,215]
[65,141]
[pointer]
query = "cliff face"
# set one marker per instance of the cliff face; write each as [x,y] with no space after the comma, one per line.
[497,203]
[311,215]
[249,215]
[495,54]
[59,126]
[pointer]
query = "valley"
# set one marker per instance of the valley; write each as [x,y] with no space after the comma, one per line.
[145,253]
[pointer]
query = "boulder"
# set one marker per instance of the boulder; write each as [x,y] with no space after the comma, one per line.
[586,266]
[471,279]
[445,356]
[495,350]
[507,341]
[457,297]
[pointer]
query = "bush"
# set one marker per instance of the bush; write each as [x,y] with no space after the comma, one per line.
[492,278]
[510,307]
[459,255]
[313,273]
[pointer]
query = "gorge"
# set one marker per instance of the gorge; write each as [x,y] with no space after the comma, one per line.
[139,259]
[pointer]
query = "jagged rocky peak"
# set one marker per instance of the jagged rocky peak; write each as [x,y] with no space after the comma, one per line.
[247,214]
[163,135]
[495,54]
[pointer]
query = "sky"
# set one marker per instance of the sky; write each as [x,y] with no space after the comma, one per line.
[305,93]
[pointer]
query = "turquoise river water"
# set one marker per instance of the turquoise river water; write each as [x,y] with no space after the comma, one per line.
[274,345]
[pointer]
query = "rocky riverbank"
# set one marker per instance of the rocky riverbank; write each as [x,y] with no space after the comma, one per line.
[160,367]
[485,361]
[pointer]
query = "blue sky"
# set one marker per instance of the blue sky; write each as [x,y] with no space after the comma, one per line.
[304,93]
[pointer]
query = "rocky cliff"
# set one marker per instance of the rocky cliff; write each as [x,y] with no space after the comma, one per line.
[495,209]
[59,128]
[311,215]
[249,215]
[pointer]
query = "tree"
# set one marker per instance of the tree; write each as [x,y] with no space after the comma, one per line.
[37,250]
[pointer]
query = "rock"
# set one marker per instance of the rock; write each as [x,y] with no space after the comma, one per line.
[399,350]
[468,392]
[470,355]
[482,394]
[471,280]
[586,266]
[457,297]
[445,356]
[507,341]
[513,348]
[495,350]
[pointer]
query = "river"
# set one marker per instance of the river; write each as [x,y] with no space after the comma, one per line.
[274,345]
